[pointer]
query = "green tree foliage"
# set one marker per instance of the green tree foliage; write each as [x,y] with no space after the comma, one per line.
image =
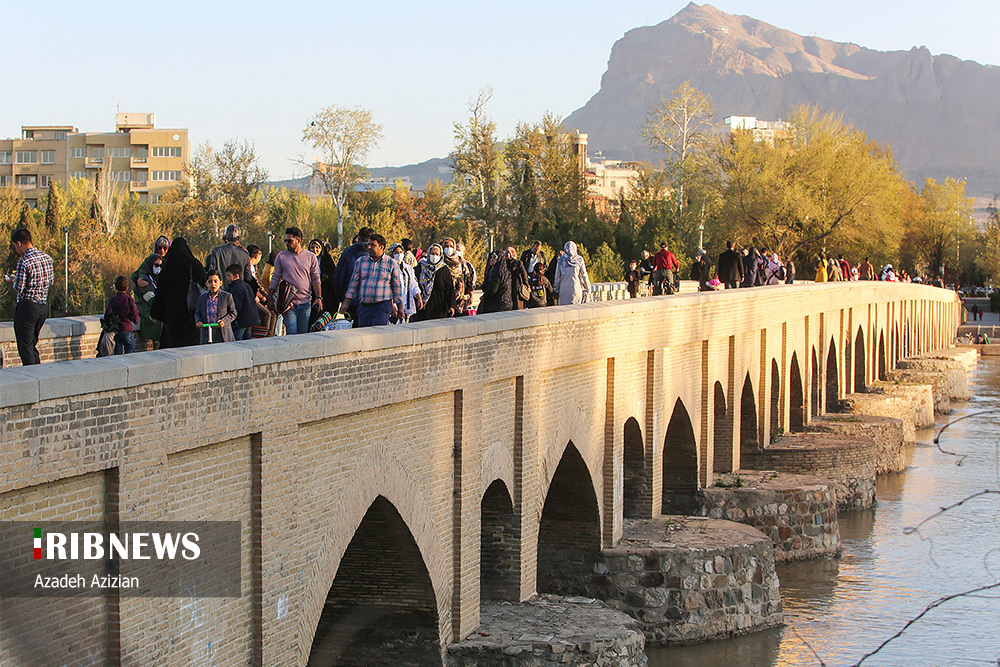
[478,166]
[545,183]
[53,208]
[343,136]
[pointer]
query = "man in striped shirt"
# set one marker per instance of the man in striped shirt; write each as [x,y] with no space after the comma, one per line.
[377,284]
[32,280]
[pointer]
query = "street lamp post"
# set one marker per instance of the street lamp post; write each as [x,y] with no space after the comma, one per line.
[270,235]
[701,230]
[66,267]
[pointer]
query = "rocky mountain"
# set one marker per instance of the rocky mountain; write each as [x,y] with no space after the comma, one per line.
[938,113]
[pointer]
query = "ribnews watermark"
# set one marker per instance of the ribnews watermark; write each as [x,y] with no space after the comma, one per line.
[199,559]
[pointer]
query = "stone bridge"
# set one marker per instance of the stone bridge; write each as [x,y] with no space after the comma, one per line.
[402,475]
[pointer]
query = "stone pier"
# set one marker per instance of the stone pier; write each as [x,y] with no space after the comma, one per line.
[548,631]
[688,579]
[798,512]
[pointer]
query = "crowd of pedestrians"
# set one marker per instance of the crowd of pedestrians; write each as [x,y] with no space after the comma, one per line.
[180,300]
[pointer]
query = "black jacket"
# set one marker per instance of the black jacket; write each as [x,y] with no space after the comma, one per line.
[730,267]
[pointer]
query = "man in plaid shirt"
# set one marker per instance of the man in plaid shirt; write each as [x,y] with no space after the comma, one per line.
[32,280]
[377,284]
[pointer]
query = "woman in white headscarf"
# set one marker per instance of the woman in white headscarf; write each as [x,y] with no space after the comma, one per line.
[572,282]
[775,270]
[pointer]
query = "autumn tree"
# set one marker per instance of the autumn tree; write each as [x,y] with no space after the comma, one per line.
[988,260]
[343,136]
[943,224]
[477,165]
[822,183]
[682,128]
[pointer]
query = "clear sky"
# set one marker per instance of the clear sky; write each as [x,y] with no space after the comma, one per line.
[258,70]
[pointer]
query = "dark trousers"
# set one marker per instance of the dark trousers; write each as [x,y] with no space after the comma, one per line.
[374,314]
[732,284]
[28,320]
[124,342]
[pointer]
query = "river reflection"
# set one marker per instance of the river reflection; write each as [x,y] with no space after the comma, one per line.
[846,607]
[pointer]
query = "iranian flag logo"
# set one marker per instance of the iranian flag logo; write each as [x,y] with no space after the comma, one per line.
[38,543]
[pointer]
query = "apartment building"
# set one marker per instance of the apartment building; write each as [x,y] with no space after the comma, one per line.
[147,160]
[765,131]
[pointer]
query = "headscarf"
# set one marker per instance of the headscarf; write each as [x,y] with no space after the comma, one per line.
[572,257]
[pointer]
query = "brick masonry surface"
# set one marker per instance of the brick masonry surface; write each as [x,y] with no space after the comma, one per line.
[311,441]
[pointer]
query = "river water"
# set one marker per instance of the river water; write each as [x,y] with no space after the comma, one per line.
[846,607]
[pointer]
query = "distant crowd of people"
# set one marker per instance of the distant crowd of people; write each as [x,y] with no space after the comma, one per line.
[179,300]
[232,296]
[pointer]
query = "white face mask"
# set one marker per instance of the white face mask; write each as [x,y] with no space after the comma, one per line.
[398,256]
[435,259]
[156,270]
[449,251]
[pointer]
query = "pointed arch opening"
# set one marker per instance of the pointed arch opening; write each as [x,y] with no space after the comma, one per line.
[859,363]
[637,493]
[499,552]
[815,404]
[796,405]
[722,460]
[832,380]
[775,420]
[748,419]
[381,597]
[569,534]
[680,462]
[881,356]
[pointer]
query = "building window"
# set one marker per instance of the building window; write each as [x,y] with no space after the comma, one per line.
[166,175]
[4,181]
[27,157]
[119,151]
[6,157]
[78,152]
[166,151]
[48,157]
[154,199]
[60,134]
[123,176]
[77,174]
[46,180]
[27,181]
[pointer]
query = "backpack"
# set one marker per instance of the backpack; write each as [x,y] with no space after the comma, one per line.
[110,321]
[780,274]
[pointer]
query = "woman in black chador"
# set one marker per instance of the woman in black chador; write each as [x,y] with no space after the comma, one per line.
[180,268]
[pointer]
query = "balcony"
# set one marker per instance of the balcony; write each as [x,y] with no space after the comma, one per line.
[95,162]
[138,161]
[138,186]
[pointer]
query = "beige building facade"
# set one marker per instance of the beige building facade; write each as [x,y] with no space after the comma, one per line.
[149,161]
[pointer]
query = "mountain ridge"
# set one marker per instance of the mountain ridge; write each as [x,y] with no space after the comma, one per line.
[933,111]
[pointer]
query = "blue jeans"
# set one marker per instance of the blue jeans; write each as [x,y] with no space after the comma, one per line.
[297,319]
[374,314]
[124,342]
[241,333]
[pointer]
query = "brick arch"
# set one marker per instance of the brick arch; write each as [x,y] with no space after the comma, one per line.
[569,531]
[881,355]
[499,552]
[832,379]
[680,461]
[774,406]
[860,358]
[386,478]
[722,460]
[382,593]
[749,440]
[637,486]
[815,391]
[796,402]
